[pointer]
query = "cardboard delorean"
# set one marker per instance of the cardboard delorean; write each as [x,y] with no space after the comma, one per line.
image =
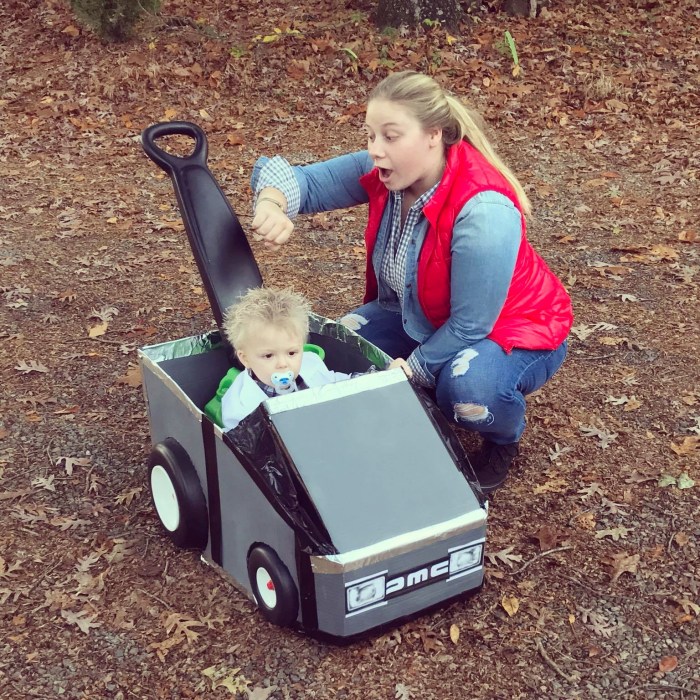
[337,509]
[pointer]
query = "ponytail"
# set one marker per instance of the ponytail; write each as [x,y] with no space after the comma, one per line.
[470,129]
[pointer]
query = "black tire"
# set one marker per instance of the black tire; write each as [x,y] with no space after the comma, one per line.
[279,603]
[177,495]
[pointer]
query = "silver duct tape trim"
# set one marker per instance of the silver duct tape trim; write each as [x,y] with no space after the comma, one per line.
[407,542]
[204,342]
[329,392]
[151,355]
[147,363]
[183,347]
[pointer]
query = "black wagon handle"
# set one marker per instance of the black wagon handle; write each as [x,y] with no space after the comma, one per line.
[219,244]
[168,162]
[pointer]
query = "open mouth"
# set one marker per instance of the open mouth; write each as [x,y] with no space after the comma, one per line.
[385,173]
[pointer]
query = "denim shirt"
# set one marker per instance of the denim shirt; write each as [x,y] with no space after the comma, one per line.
[485,244]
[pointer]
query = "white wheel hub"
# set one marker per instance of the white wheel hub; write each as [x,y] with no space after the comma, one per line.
[165,498]
[266,587]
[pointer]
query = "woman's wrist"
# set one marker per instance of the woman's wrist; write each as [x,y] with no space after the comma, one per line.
[269,194]
[269,199]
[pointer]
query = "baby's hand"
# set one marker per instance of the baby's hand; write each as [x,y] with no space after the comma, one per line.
[271,224]
[400,362]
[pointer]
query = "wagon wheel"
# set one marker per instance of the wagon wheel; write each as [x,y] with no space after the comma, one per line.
[177,495]
[273,586]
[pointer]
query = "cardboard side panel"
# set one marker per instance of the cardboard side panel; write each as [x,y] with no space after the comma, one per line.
[247,518]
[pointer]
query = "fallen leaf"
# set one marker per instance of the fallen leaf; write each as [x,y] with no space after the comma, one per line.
[668,664]
[71,30]
[688,446]
[259,693]
[84,620]
[596,182]
[685,482]
[636,477]
[556,452]
[632,404]
[454,634]
[31,366]
[547,537]
[551,486]
[591,490]
[11,495]
[132,377]
[70,462]
[7,571]
[98,330]
[68,295]
[605,436]
[44,482]
[181,625]
[402,692]
[616,105]
[615,533]
[504,556]
[510,605]
[689,607]
[624,563]
[586,521]
[126,497]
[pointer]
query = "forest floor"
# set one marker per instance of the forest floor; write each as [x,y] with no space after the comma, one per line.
[593,578]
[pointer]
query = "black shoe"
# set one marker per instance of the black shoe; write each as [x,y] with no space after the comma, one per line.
[491,464]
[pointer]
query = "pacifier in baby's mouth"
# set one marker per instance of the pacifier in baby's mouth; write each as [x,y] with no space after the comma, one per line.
[283,382]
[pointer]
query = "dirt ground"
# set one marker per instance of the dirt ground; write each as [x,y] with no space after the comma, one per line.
[593,582]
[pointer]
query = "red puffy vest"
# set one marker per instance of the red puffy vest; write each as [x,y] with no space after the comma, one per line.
[537,312]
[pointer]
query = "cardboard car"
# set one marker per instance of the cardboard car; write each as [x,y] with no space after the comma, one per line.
[337,509]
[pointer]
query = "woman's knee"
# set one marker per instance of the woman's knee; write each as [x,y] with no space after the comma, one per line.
[354,321]
[463,401]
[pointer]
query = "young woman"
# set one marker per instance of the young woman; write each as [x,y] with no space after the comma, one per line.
[452,283]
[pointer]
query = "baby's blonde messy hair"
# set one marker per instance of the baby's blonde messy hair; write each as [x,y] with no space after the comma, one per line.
[268,306]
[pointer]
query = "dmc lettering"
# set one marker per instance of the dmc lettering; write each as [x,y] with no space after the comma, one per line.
[418,576]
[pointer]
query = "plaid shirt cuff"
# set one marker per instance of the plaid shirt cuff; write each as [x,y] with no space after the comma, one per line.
[420,376]
[278,173]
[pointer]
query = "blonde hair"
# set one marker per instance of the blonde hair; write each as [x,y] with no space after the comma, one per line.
[435,108]
[281,308]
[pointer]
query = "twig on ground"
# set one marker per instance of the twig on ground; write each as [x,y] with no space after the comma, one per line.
[43,576]
[539,556]
[155,597]
[669,545]
[609,594]
[596,357]
[551,664]
[658,686]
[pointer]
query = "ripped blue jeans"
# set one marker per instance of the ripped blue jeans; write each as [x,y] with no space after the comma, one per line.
[482,388]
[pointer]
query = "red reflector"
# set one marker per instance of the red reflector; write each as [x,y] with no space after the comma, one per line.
[270,586]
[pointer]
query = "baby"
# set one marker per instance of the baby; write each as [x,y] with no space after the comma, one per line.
[268,328]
